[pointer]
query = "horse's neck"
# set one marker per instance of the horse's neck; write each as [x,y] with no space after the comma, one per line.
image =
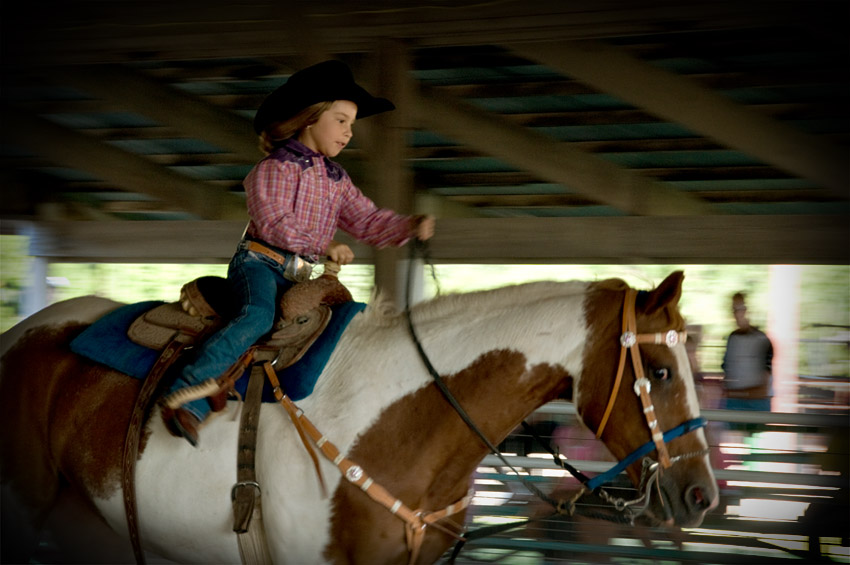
[425,434]
[545,322]
[500,362]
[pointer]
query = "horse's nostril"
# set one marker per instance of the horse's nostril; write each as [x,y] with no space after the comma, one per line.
[696,499]
[697,494]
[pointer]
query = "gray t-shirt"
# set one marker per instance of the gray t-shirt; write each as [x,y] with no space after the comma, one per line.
[748,359]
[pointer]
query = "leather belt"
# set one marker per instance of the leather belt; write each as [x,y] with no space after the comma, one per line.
[295,267]
[760,391]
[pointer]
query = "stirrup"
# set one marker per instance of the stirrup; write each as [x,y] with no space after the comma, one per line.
[183,395]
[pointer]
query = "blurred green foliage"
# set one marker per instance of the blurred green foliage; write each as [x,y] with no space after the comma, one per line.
[119,281]
[824,292]
[824,295]
[14,273]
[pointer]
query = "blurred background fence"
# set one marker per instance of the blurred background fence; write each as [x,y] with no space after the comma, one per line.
[783,481]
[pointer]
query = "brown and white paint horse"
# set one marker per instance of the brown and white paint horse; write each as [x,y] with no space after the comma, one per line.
[503,353]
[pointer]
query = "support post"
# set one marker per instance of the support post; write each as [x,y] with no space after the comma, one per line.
[416,282]
[34,296]
[392,183]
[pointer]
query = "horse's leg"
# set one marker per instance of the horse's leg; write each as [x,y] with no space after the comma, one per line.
[21,524]
[80,535]
[29,474]
[46,413]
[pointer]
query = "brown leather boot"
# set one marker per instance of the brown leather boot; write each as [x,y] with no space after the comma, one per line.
[218,401]
[182,423]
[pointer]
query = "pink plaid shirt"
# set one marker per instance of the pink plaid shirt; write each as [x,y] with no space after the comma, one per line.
[297,199]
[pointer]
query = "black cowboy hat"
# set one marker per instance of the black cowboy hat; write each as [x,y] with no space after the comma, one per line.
[330,80]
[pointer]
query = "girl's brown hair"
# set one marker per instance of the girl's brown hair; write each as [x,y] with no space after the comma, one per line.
[278,132]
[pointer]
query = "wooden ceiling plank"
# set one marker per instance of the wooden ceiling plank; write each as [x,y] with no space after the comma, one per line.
[551,160]
[681,100]
[792,239]
[78,151]
[569,200]
[138,241]
[119,31]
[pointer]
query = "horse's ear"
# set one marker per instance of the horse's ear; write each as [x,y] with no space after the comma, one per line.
[665,294]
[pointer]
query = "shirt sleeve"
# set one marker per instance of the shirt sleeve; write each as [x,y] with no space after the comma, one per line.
[270,194]
[379,227]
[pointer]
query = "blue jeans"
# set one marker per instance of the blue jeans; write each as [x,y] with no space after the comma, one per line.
[257,283]
[751,404]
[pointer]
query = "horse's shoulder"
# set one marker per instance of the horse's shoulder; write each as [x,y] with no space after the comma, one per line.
[47,391]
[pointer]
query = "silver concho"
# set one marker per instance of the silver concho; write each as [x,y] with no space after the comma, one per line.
[641,383]
[354,473]
[628,339]
[672,338]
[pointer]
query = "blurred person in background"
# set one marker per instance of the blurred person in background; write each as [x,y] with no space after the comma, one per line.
[747,363]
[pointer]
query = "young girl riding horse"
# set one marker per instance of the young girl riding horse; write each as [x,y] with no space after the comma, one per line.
[296,198]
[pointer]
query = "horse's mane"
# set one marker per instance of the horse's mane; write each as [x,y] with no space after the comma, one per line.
[611,284]
[381,311]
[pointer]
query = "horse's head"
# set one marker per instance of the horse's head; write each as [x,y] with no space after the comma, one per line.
[615,400]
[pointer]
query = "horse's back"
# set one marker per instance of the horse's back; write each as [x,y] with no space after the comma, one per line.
[62,416]
[84,310]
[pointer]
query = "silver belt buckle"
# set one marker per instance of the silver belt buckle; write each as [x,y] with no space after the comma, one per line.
[297,269]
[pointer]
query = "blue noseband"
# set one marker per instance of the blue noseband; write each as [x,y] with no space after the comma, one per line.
[680,430]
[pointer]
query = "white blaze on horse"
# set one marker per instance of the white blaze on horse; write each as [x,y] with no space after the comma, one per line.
[502,354]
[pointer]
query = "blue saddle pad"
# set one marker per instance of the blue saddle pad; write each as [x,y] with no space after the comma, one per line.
[106,342]
[299,379]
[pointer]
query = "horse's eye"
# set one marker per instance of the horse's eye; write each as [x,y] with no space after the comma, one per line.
[661,374]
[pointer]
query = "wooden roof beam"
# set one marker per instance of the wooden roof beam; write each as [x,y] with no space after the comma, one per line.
[680,99]
[791,239]
[68,148]
[167,105]
[551,160]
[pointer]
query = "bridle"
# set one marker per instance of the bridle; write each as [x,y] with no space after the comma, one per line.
[629,343]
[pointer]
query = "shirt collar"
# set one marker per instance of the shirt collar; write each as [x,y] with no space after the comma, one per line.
[334,170]
[300,149]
